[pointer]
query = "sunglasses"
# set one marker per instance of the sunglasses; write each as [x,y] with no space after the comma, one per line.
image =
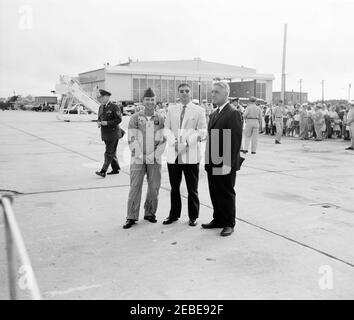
[184,91]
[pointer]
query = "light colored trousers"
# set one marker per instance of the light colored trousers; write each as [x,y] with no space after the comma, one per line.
[352,133]
[318,129]
[137,174]
[251,134]
[304,129]
[279,127]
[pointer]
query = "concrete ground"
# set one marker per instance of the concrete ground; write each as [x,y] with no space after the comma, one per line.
[293,238]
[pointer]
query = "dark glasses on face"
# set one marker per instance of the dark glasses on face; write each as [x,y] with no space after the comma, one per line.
[184,91]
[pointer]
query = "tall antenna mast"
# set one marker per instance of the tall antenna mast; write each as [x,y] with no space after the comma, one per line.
[283,66]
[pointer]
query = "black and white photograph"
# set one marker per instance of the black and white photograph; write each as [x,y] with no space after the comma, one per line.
[189,151]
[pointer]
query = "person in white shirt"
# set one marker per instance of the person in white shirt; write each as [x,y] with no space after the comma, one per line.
[185,128]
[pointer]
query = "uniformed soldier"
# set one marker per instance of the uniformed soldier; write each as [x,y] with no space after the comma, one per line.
[147,143]
[319,121]
[304,132]
[278,121]
[253,119]
[109,117]
[350,123]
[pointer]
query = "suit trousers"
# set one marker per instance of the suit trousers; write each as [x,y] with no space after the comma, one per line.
[191,175]
[251,134]
[110,156]
[223,197]
[137,174]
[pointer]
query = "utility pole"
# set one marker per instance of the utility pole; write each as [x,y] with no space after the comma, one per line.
[322,82]
[300,91]
[349,87]
[283,66]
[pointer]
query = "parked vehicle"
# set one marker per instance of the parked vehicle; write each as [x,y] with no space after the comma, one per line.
[47,108]
[4,106]
[37,108]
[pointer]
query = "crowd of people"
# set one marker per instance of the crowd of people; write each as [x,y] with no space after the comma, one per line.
[317,121]
[301,120]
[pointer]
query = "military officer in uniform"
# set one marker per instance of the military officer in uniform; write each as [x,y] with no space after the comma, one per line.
[147,143]
[278,121]
[253,119]
[109,117]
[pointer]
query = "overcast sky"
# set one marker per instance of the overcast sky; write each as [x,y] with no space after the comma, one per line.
[41,39]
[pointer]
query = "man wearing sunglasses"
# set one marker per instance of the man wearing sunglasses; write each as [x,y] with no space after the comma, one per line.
[222,159]
[185,127]
[109,117]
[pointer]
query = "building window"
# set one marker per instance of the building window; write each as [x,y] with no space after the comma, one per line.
[171,91]
[164,91]
[136,97]
[209,88]
[157,89]
[261,90]
[195,90]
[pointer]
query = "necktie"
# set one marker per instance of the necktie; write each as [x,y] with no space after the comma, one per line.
[182,116]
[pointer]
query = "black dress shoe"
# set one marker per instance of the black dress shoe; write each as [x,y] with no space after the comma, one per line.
[227,231]
[211,225]
[349,148]
[192,223]
[169,220]
[128,224]
[244,151]
[253,152]
[101,174]
[113,172]
[151,219]
[277,142]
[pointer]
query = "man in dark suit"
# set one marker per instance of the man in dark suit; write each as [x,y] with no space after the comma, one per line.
[109,117]
[222,159]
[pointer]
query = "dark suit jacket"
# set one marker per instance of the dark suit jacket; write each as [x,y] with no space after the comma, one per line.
[112,114]
[225,146]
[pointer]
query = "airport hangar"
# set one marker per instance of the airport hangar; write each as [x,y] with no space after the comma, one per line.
[127,81]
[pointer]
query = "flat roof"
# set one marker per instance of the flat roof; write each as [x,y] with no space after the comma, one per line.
[194,67]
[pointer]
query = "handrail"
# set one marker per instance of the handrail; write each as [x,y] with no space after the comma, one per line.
[14,240]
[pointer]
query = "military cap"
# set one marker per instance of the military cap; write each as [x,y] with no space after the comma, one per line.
[104,92]
[149,93]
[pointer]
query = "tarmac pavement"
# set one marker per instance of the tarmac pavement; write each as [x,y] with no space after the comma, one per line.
[293,239]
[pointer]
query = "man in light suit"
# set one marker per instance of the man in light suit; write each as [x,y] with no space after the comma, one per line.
[222,159]
[185,127]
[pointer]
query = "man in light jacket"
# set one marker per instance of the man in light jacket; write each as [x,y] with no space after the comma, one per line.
[185,128]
